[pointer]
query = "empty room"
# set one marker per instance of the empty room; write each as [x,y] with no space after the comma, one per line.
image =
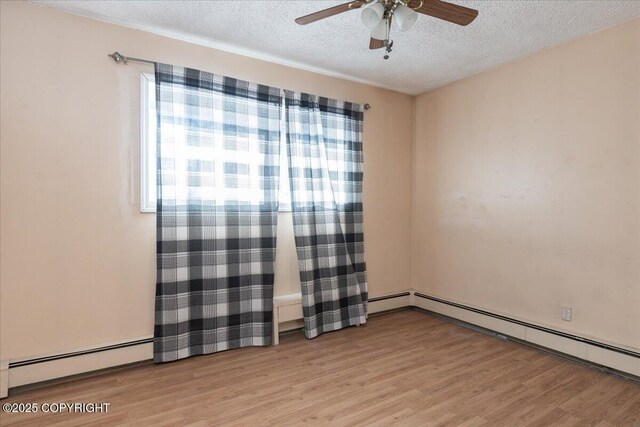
[320,212]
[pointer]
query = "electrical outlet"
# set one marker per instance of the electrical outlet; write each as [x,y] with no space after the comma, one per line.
[566,313]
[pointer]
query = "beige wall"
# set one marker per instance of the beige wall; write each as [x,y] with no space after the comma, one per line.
[527,188]
[77,256]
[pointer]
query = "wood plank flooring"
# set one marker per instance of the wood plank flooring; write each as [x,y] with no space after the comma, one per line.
[404,368]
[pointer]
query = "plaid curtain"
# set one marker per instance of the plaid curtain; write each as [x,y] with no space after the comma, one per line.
[218,148]
[324,145]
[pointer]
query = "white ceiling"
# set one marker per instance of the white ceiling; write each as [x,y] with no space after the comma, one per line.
[432,54]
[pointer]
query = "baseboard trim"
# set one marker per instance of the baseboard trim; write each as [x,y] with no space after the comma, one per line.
[560,354]
[287,310]
[389,302]
[592,351]
[391,296]
[81,375]
[125,344]
[60,365]
[604,356]
[45,368]
[532,326]
[4,378]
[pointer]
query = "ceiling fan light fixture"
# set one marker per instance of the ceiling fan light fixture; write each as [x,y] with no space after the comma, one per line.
[380,31]
[372,15]
[405,17]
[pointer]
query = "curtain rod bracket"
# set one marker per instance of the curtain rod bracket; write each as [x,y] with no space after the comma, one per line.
[117,57]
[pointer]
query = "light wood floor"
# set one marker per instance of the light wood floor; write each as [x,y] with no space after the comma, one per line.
[402,368]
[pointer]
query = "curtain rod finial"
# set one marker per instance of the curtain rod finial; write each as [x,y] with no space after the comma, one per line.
[367,107]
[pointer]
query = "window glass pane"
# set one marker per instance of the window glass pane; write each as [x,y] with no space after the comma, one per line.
[238,155]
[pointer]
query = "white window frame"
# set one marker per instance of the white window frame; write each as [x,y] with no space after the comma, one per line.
[147,153]
[148,159]
[284,190]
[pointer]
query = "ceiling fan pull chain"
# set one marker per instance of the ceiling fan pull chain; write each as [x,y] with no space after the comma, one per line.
[388,44]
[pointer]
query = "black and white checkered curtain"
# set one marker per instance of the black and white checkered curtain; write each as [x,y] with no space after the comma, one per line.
[324,144]
[218,147]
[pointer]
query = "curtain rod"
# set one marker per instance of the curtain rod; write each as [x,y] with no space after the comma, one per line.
[120,58]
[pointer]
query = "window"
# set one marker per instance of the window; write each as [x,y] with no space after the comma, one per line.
[147,143]
[148,151]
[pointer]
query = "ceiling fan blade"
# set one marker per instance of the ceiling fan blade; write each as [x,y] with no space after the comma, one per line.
[442,10]
[376,44]
[316,16]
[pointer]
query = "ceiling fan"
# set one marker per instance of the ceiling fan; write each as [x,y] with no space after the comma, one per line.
[379,14]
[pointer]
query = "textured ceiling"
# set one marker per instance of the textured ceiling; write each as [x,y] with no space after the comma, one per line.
[432,54]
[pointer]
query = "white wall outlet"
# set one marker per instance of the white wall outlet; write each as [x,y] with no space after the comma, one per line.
[566,313]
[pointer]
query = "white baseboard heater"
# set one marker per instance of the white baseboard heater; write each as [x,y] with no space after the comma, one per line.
[16,373]
[287,310]
[617,359]
[288,315]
